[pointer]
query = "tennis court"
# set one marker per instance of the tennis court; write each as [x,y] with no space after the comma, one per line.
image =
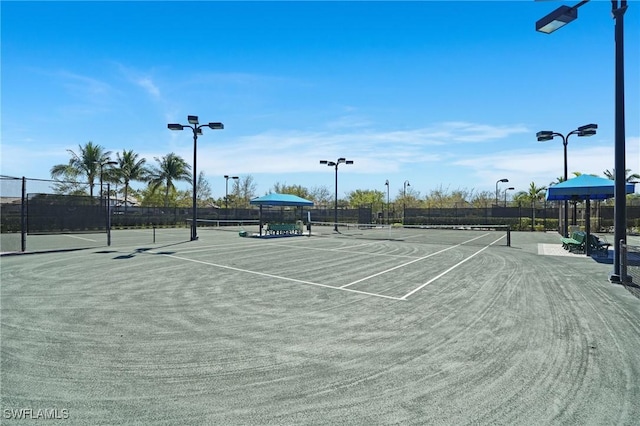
[413,328]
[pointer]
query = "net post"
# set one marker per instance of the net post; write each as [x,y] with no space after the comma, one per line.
[508,236]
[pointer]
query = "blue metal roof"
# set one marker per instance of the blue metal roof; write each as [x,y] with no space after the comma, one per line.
[281,200]
[583,187]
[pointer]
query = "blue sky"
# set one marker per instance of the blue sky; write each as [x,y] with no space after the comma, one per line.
[442,94]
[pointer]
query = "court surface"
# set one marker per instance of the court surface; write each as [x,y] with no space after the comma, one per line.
[317,330]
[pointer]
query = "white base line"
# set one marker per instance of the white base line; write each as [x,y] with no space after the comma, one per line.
[410,262]
[80,238]
[279,277]
[448,270]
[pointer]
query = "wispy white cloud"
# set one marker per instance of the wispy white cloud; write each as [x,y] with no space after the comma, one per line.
[147,84]
[376,152]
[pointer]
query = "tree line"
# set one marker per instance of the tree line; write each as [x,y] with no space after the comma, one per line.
[92,164]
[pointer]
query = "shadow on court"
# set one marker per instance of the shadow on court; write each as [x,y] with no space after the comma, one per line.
[142,250]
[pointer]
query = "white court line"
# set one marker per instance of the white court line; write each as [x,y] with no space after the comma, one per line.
[278,277]
[80,238]
[410,262]
[448,270]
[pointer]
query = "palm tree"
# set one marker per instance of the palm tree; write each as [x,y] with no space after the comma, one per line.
[130,168]
[533,195]
[85,163]
[171,168]
[628,178]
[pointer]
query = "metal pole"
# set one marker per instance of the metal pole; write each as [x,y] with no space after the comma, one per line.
[226,194]
[620,206]
[565,141]
[23,216]
[336,200]
[388,205]
[194,235]
[101,202]
[108,209]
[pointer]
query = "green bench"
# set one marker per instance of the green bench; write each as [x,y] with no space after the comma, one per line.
[282,228]
[600,246]
[576,242]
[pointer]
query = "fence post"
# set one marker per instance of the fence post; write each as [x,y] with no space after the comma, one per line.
[23,216]
[623,261]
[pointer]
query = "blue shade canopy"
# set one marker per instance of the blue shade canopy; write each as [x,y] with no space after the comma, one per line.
[583,187]
[281,200]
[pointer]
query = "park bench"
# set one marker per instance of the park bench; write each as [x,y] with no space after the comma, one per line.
[282,228]
[576,242]
[600,246]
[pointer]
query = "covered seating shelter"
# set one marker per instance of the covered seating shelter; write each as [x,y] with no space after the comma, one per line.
[280,200]
[585,188]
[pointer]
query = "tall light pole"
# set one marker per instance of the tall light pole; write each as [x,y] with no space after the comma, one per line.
[511,188]
[498,181]
[547,135]
[197,130]
[102,164]
[386,183]
[226,191]
[335,164]
[557,19]
[404,198]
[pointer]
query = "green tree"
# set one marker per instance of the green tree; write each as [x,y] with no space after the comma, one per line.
[283,188]
[482,199]
[320,195]
[534,195]
[628,177]
[360,197]
[171,168]
[130,168]
[244,189]
[204,196]
[85,163]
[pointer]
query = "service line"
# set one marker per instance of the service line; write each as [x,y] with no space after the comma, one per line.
[263,274]
[410,262]
[449,270]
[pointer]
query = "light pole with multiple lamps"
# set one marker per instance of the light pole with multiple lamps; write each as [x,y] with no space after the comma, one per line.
[197,130]
[404,198]
[335,164]
[557,19]
[547,135]
[498,181]
[511,188]
[226,191]
[386,183]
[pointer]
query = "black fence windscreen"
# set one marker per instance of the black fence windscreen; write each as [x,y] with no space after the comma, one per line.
[53,213]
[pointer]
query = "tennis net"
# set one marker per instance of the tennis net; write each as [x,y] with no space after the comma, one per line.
[425,234]
[248,226]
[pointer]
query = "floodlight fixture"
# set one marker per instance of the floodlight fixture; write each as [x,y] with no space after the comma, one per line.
[557,19]
[544,135]
[192,119]
[175,126]
[216,126]
[587,130]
